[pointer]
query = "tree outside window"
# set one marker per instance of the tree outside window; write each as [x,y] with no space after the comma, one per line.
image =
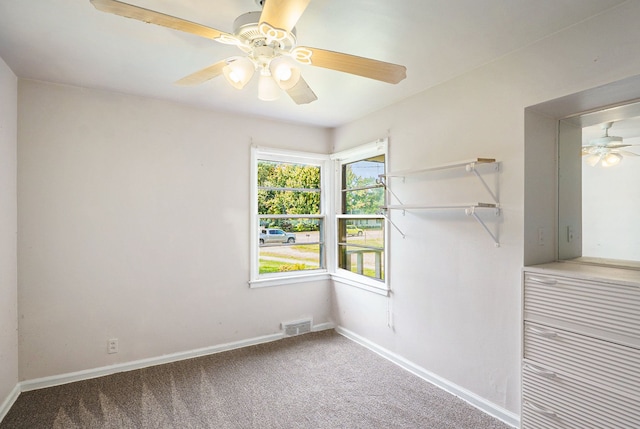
[290,219]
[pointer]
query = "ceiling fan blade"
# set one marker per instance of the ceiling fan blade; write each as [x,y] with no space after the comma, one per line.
[365,67]
[615,146]
[301,93]
[628,153]
[283,14]
[203,75]
[150,16]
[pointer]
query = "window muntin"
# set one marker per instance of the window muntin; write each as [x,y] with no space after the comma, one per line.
[361,233]
[290,217]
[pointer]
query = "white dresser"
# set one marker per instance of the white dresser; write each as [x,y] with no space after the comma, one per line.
[581,347]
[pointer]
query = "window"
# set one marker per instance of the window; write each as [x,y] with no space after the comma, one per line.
[290,214]
[292,238]
[361,235]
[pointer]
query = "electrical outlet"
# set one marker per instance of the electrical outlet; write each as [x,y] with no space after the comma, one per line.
[570,234]
[112,345]
[541,237]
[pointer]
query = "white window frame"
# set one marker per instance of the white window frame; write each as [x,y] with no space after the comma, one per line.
[378,147]
[281,155]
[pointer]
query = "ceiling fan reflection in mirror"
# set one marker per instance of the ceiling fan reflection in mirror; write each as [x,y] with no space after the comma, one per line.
[268,39]
[606,150]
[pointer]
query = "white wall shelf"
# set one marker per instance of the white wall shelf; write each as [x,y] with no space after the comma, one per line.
[467,164]
[469,208]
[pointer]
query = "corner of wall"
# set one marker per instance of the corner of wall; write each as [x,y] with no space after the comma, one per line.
[540,187]
[9,389]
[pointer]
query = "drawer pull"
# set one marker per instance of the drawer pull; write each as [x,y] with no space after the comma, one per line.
[549,282]
[542,332]
[540,410]
[540,372]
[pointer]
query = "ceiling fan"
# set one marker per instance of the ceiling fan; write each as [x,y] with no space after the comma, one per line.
[268,39]
[606,150]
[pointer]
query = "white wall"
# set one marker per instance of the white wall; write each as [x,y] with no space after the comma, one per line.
[610,226]
[8,229]
[134,222]
[456,303]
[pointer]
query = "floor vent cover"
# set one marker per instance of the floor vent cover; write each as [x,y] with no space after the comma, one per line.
[296,328]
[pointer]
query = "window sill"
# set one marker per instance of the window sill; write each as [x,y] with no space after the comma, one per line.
[286,280]
[362,285]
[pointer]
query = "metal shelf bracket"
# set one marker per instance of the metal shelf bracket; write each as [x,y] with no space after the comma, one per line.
[381,180]
[471,211]
[471,168]
[386,216]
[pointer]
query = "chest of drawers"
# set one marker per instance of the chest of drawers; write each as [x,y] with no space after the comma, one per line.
[581,347]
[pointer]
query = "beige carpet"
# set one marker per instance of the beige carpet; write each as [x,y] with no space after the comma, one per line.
[319,380]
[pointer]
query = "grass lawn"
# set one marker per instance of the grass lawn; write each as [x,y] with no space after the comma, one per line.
[267,266]
[298,252]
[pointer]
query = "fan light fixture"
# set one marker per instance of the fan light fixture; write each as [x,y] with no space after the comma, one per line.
[238,72]
[285,73]
[607,150]
[604,159]
[265,50]
[611,159]
[268,89]
[268,39]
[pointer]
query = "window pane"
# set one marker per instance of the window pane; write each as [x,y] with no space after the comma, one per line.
[368,262]
[361,194]
[362,173]
[290,245]
[361,247]
[298,257]
[274,174]
[288,202]
[365,201]
[287,188]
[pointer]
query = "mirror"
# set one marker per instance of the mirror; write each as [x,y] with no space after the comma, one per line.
[599,187]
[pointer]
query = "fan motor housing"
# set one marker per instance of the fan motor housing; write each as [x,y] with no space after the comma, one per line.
[245,28]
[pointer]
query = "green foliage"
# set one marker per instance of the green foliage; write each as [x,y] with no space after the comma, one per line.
[305,197]
[365,201]
[292,267]
[284,175]
[306,226]
[275,267]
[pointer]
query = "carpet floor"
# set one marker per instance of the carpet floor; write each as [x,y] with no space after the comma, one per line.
[317,380]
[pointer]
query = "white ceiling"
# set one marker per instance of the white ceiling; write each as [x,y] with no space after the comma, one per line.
[70,42]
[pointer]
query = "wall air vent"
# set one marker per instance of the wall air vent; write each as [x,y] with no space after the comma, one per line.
[296,328]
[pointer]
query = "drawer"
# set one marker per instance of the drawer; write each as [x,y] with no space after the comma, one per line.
[609,365]
[558,402]
[603,310]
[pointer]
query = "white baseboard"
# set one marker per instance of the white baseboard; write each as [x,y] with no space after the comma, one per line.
[8,403]
[323,327]
[56,380]
[479,402]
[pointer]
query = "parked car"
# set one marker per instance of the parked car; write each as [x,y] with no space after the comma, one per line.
[276,235]
[353,230]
